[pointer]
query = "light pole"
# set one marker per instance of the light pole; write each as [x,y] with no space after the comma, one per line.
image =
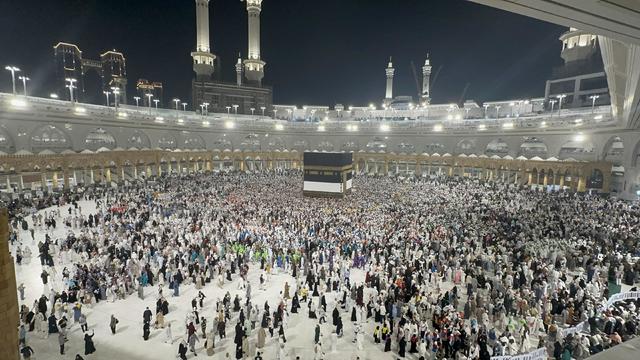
[498,111]
[149,96]
[228,109]
[177,101]
[252,110]
[275,113]
[24,83]
[116,95]
[184,106]
[235,108]
[560,98]
[593,101]
[71,81]
[106,94]
[467,110]
[290,111]
[156,101]
[552,102]
[137,99]
[206,108]
[202,109]
[263,109]
[13,70]
[511,104]
[485,110]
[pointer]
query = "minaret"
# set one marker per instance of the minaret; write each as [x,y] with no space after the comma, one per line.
[389,71]
[253,65]
[239,71]
[203,59]
[426,78]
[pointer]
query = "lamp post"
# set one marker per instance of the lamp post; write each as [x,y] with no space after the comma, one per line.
[485,110]
[289,111]
[467,110]
[275,113]
[24,83]
[106,94]
[71,86]
[263,108]
[184,106]
[116,95]
[560,98]
[206,108]
[177,101]
[137,99]
[498,111]
[156,101]
[552,102]
[202,109]
[235,108]
[149,96]
[252,110]
[228,109]
[13,70]
[593,102]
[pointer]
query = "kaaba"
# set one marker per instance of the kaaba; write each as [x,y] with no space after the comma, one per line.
[327,174]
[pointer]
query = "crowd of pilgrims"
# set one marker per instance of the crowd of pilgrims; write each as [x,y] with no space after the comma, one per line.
[453,268]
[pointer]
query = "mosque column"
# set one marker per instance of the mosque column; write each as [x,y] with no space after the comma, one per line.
[545,179]
[242,165]
[606,181]
[54,180]
[208,165]
[582,184]
[450,170]
[75,177]
[21,183]
[179,167]
[554,179]
[108,175]
[149,171]
[159,169]
[561,181]
[386,166]
[8,182]
[135,172]
[92,176]
[9,312]
[418,169]
[516,179]
[65,176]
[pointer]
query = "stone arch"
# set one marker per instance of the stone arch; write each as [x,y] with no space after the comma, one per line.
[49,137]
[576,149]
[276,143]
[613,150]
[6,142]
[350,146]
[251,142]
[138,139]
[433,148]
[533,146]
[406,147]
[300,145]
[466,146]
[377,144]
[192,141]
[167,141]
[497,147]
[99,138]
[325,146]
[222,143]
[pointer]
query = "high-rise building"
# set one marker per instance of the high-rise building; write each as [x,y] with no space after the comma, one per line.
[91,77]
[145,87]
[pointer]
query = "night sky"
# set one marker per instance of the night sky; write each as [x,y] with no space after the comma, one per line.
[317,52]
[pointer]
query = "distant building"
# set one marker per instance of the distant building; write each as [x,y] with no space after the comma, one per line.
[92,77]
[144,87]
[582,78]
[245,97]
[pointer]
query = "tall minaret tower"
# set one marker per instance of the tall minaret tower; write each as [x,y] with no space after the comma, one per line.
[239,71]
[253,65]
[426,78]
[389,71]
[203,59]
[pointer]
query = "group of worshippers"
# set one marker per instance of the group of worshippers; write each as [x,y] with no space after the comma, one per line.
[454,267]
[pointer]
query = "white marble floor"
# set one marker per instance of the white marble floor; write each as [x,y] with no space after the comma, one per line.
[129,344]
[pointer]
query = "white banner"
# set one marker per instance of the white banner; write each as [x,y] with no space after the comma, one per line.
[629,295]
[538,354]
[582,327]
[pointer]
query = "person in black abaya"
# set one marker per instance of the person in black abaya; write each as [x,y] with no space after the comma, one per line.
[145,331]
[387,344]
[89,347]
[295,304]
[402,345]
[354,318]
